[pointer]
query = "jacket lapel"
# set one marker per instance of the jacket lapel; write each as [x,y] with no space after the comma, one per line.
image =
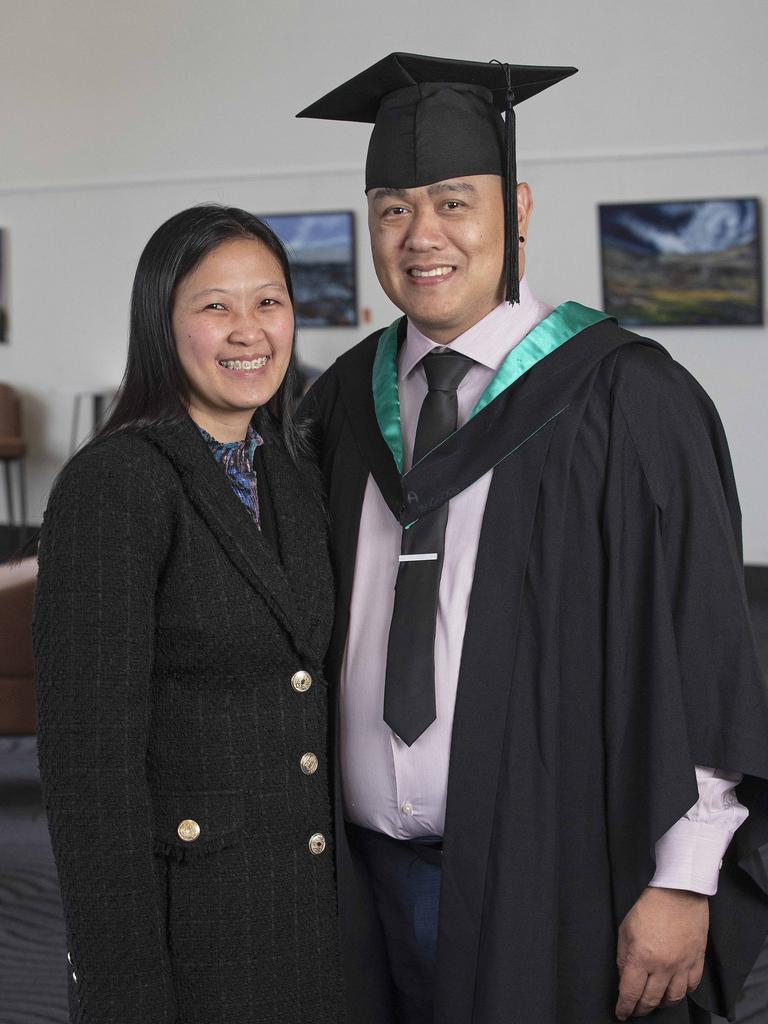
[354,370]
[302,535]
[207,489]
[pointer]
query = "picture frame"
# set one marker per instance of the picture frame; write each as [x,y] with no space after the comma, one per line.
[321,249]
[682,263]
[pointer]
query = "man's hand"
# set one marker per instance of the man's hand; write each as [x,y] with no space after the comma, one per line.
[661,948]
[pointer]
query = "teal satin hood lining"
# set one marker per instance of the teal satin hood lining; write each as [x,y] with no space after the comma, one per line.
[562,324]
[386,399]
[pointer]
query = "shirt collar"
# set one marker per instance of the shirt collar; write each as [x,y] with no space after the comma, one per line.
[487,342]
[249,444]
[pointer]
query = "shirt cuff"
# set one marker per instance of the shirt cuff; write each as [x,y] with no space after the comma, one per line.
[689,856]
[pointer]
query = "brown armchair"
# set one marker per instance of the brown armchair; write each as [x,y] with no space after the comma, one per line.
[17,683]
[12,449]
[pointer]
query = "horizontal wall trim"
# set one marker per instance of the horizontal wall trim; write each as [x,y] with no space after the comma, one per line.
[214,178]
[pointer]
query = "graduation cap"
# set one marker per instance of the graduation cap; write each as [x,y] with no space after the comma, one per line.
[436,118]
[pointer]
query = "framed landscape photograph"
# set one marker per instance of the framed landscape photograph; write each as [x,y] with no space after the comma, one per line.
[682,263]
[321,248]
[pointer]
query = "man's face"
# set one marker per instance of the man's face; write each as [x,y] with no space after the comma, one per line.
[438,251]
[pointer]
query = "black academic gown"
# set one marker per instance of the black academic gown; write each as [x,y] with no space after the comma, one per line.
[608,651]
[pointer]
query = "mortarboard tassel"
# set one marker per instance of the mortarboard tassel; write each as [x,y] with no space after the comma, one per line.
[511,231]
[511,254]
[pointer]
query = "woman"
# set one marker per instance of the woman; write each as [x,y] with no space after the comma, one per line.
[183,610]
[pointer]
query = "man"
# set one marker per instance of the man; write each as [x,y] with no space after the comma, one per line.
[541,643]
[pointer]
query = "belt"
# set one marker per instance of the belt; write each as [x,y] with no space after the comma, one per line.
[427,848]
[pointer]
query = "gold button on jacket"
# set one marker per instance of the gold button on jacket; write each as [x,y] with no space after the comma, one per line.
[301,681]
[316,843]
[309,763]
[188,830]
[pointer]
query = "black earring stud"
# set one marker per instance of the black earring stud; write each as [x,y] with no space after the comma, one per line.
[521,237]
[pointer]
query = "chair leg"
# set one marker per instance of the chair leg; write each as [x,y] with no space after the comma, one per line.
[8,490]
[23,496]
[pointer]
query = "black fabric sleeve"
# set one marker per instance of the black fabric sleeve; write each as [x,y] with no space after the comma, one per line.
[316,409]
[103,541]
[685,687]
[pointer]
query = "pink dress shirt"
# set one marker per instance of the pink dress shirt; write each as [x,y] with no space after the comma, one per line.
[401,790]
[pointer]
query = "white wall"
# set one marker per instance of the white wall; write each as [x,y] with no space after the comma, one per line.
[114,116]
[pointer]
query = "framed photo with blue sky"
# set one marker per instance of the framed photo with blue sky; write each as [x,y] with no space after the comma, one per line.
[682,263]
[321,248]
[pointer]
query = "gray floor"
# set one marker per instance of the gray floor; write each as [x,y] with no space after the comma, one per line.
[32,945]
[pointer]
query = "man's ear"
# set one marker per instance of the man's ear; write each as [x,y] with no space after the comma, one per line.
[524,207]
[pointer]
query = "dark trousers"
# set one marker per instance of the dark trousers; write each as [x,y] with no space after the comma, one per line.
[405,879]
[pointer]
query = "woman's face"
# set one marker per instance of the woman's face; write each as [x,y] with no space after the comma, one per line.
[233,326]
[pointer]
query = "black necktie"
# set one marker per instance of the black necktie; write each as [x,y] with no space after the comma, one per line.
[409,694]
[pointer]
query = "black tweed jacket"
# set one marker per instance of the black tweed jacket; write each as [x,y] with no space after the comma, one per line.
[179,690]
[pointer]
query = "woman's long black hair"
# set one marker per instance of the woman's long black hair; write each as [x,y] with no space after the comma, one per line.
[153,388]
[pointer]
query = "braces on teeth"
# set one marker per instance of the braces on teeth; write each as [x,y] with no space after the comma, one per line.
[244,364]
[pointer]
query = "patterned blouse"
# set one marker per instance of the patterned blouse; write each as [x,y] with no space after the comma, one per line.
[236,457]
